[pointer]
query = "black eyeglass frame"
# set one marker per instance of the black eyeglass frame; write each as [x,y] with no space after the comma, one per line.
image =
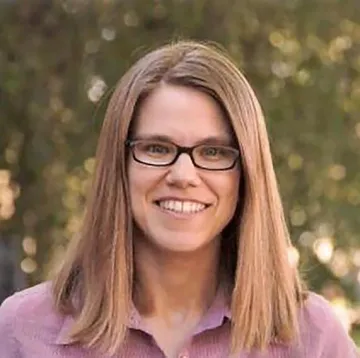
[180,150]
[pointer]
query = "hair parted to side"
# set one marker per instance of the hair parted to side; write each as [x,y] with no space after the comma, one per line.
[95,281]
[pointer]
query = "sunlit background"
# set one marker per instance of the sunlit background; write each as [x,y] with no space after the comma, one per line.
[59,61]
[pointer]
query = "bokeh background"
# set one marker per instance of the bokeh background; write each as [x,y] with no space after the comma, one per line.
[59,61]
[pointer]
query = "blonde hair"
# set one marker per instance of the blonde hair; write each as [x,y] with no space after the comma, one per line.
[95,281]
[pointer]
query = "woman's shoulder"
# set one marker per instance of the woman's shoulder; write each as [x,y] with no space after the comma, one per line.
[33,302]
[322,330]
[29,316]
[317,310]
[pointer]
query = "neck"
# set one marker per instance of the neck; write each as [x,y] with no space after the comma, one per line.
[170,285]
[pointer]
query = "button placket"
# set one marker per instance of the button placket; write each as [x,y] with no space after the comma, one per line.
[184,354]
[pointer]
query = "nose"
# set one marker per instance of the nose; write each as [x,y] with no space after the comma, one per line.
[183,173]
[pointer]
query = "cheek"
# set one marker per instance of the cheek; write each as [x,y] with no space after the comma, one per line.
[136,175]
[135,188]
[231,186]
[131,179]
[229,194]
[142,181]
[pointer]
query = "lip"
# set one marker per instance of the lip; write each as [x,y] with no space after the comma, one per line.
[176,198]
[180,215]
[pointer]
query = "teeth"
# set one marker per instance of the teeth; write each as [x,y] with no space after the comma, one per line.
[181,206]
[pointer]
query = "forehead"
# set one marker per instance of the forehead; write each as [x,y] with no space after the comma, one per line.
[181,113]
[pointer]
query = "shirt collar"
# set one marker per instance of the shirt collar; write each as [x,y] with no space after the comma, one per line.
[218,312]
[63,335]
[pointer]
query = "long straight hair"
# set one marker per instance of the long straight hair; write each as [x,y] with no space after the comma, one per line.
[95,281]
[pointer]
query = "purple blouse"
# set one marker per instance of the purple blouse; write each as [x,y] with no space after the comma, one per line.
[30,328]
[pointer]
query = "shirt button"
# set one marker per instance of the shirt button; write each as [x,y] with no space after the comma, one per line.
[183,355]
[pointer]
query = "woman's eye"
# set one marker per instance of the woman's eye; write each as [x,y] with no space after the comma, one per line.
[211,151]
[157,149]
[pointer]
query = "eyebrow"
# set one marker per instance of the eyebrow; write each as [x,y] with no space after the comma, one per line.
[217,140]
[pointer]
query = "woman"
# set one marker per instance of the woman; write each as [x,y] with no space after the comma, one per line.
[183,251]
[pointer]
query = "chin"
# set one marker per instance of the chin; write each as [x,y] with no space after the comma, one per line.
[183,243]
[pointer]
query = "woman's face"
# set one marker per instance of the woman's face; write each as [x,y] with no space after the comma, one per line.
[181,208]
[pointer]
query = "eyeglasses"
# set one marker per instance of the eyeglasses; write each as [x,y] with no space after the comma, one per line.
[161,154]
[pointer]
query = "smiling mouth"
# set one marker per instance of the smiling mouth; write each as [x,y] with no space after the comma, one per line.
[181,207]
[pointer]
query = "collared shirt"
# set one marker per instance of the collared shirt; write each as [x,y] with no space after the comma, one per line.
[31,328]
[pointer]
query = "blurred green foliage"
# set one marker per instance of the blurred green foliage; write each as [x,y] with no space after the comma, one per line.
[59,61]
